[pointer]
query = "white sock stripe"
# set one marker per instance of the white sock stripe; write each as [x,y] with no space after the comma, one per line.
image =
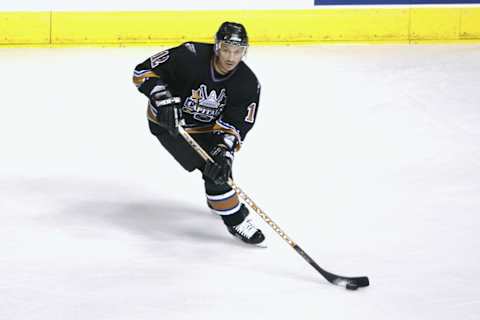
[227,212]
[221,196]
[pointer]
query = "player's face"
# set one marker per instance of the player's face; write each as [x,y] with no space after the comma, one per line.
[228,57]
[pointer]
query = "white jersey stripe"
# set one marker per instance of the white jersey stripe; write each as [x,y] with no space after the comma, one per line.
[140,73]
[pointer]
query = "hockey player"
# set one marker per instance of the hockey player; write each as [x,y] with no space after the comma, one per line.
[215,95]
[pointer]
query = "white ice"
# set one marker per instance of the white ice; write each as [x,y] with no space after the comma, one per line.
[367,156]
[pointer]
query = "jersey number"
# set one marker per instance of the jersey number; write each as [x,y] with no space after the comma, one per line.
[159,58]
[251,112]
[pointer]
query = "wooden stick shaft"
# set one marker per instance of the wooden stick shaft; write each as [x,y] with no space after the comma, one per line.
[241,194]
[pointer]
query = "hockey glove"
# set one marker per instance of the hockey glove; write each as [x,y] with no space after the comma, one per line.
[220,170]
[165,107]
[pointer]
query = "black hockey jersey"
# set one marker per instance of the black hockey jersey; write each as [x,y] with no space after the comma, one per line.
[209,101]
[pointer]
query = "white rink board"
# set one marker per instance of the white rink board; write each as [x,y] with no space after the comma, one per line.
[138,5]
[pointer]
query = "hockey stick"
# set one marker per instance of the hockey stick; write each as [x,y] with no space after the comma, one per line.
[351,283]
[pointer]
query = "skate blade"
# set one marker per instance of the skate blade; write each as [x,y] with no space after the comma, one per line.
[262,244]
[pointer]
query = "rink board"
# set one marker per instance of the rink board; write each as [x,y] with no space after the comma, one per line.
[25,27]
[323,25]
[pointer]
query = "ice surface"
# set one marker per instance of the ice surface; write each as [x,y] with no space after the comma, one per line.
[367,156]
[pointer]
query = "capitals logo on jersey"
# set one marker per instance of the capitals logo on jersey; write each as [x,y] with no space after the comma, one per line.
[204,106]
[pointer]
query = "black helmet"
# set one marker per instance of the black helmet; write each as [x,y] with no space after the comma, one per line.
[232,33]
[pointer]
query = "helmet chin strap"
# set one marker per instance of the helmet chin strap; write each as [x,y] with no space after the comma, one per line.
[216,66]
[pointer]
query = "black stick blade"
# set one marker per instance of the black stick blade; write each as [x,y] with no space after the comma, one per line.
[351,283]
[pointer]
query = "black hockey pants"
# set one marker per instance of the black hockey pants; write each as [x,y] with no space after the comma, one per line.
[220,197]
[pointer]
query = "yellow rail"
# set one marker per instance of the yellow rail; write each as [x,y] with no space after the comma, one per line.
[266,27]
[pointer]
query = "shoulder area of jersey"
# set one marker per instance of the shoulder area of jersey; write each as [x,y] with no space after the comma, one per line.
[197,48]
[248,74]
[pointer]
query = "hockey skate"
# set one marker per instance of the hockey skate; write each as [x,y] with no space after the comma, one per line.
[248,233]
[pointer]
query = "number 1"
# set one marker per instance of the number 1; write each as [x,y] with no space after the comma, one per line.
[251,112]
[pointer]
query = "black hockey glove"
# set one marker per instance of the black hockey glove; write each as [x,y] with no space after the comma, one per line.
[166,107]
[221,170]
